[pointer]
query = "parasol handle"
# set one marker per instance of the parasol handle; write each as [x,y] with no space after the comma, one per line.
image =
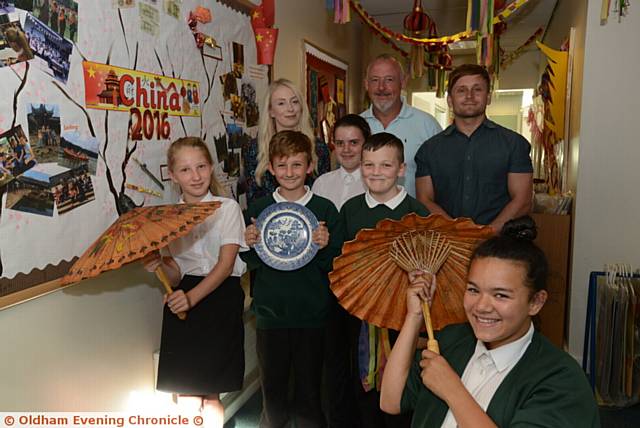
[432,343]
[165,281]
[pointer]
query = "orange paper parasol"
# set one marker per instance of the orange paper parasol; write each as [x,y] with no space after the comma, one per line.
[370,281]
[136,234]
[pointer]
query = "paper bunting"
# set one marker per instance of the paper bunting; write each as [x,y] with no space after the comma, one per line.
[467,34]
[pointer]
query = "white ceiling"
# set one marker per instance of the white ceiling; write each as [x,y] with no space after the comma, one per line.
[450,17]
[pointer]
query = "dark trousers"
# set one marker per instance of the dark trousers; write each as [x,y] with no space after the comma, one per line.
[368,403]
[338,391]
[372,417]
[282,352]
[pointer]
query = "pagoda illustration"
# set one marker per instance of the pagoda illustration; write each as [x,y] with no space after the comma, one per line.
[111,93]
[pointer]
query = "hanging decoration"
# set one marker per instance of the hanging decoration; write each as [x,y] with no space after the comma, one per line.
[262,20]
[201,15]
[553,89]
[506,59]
[480,20]
[463,35]
[620,8]
[342,12]
[375,25]
[418,24]
[445,65]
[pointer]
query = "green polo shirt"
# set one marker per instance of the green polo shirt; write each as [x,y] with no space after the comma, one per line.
[469,174]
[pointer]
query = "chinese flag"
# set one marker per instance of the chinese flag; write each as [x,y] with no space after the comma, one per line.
[268,9]
[266,39]
[263,16]
[257,18]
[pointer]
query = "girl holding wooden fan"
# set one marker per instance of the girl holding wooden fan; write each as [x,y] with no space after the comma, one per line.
[494,370]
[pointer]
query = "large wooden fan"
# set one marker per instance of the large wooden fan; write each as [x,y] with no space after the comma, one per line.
[370,280]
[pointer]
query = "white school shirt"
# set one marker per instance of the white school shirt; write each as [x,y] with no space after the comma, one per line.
[302,201]
[391,203]
[197,252]
[487,369]
[339,186]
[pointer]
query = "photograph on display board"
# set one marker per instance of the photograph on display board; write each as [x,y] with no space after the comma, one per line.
[232,164]
[250,104]
[221,147]
[77,150]
[52,50]
[237,107]
[61,16]
[14,46]
[238,60]
[72,189]
[229,85]
[31,192]
[17,154]
[44,131]
[236,136]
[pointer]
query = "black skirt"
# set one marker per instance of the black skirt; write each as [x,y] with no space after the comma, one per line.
[204,354]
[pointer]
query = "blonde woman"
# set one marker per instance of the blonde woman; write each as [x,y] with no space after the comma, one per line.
[283,108]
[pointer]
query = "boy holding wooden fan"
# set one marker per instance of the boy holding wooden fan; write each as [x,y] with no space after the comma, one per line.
[382,165]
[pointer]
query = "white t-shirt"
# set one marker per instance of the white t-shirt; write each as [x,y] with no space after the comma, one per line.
[197,253]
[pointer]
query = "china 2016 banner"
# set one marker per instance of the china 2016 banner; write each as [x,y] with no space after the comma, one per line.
[149,97]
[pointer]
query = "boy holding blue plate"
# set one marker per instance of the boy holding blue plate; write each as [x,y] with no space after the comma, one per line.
[382,165]
[291,306]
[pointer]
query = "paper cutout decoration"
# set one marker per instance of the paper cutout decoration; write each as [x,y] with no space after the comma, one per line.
[558,63]
[266,39]
[202,15]
[262,20]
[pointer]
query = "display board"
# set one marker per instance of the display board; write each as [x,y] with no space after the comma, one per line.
[93,92]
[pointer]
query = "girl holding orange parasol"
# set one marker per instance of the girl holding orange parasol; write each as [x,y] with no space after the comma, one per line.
[494,370]
[203,355]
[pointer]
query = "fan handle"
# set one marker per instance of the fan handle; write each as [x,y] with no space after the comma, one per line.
[165,281]
[432,343]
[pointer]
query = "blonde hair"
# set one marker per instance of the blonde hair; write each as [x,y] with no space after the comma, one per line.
[267,127]
[290,143]
[197,143]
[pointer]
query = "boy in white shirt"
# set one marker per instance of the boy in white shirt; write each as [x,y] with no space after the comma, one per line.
[342,184]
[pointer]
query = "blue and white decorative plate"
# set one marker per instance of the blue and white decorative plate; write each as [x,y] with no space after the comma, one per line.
[285,236]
